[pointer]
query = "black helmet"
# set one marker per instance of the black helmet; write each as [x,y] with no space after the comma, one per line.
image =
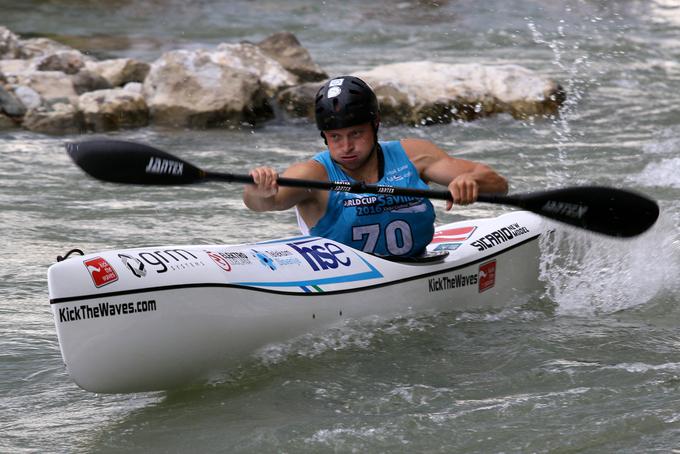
[345,101]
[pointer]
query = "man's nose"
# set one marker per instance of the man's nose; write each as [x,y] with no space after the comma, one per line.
[347,143]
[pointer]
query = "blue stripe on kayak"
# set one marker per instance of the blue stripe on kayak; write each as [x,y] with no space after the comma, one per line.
[305,289]
[371,274]
[286,240]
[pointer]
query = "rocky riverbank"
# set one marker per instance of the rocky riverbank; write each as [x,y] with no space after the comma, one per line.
[51,88]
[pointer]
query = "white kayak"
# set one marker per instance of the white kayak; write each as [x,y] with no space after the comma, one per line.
[159,317]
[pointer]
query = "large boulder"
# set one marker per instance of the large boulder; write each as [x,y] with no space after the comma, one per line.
[118,108]
[200,88]
[426,92]
[421,93]
[285,48]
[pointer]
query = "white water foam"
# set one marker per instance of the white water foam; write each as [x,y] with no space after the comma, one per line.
[587,274]
[664,173]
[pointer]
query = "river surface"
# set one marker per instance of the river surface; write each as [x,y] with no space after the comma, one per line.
[592,362]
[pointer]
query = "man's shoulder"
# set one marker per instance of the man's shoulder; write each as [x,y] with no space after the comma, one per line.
[415,145]
[307,169]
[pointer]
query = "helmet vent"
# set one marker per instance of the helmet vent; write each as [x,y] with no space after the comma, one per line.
[336,105]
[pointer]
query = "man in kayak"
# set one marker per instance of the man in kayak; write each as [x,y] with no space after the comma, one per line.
[348,116]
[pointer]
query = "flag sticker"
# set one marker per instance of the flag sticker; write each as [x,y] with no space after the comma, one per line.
[454,235]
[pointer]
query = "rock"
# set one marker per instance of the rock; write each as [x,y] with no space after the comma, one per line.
[134,87]
[66,61]
[10,105]
[37,47]
[28,97]
[9,44]
[298,101]
[420,93]
[50,85]
[120,71]
[106,110]
[6,122]
[15,66]
[248,57]
[427,92]
[59,118]
[200,89]
[85,80]
[285,48]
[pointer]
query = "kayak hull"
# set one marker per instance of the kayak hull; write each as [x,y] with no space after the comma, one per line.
[156,318]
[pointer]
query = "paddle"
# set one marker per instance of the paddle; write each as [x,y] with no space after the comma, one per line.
[609,211]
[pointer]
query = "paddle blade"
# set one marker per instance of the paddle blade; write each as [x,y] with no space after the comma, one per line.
[614,212]
[118,161]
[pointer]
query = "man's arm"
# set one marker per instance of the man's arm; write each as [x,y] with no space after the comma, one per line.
[266,195]
[465,179]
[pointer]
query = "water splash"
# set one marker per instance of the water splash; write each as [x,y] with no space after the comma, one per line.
[588,274]
[664,173]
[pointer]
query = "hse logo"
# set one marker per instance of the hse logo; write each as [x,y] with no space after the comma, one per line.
[101,272]
[321,255]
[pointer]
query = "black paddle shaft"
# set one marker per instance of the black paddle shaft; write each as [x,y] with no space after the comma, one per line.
[610,211]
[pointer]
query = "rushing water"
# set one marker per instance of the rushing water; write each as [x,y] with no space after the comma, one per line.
[590,365]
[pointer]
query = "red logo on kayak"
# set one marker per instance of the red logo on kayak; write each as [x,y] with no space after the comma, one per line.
[102,273]
[453,235]
[219,260]
[487,275]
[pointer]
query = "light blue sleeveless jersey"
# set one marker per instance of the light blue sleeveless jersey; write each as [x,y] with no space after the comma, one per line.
[380,224]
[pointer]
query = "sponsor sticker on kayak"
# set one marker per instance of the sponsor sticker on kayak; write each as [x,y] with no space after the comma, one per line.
[101,271]
[142,264]
[499,236]
[219,260]
[453,235]
[487,275]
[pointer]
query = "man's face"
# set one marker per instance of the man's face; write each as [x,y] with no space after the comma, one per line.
[351,147]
